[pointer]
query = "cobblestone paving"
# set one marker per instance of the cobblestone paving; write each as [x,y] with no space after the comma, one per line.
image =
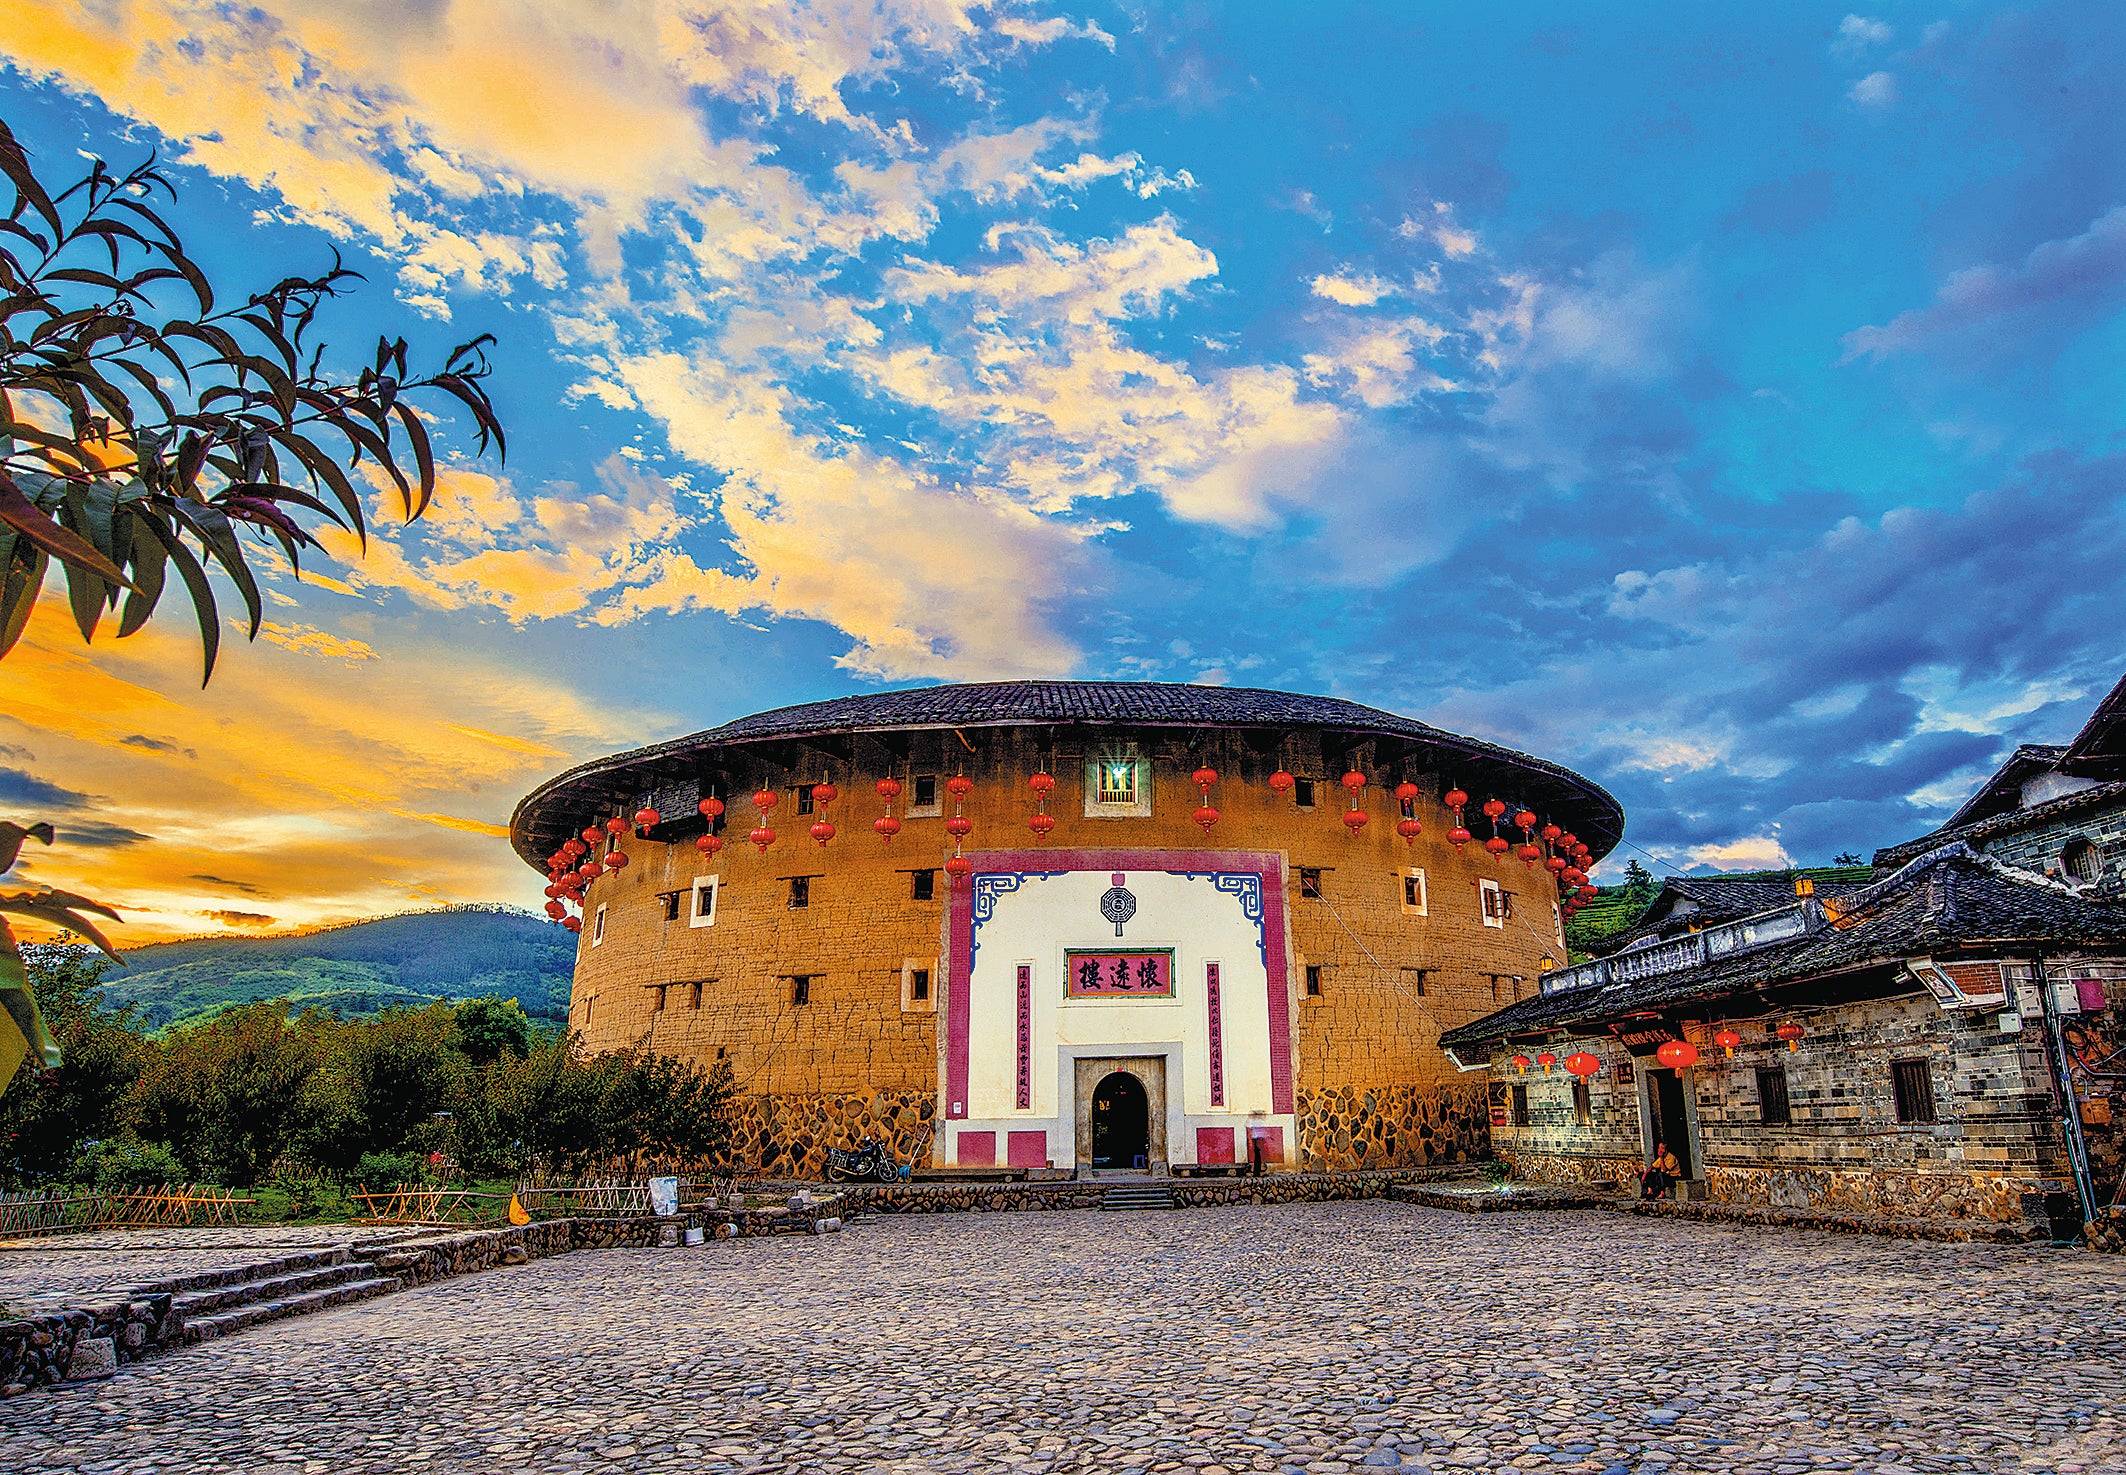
[61,1266]
[1318,1338]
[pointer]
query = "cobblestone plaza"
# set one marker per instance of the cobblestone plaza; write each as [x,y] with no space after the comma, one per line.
[1320,1337]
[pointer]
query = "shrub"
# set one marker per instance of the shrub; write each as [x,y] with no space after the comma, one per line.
[126,1162]
[382,1171]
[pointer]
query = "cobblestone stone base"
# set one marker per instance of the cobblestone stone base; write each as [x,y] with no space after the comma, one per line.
[1189,1193]
[1345,1129]
[36,1351]
[788,1136]
[1984,1230]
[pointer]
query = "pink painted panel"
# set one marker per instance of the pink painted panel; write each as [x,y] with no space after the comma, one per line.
[1272,1140]
[1024,1037]
[1028,1149]
[1270,868]
[1145,974]
[978,1149]
[1216,1007]
[1214,1144]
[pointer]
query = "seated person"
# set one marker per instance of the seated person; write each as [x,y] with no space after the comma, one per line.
[1660,1174]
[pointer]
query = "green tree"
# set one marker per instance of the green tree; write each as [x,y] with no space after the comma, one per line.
[384,1085]
[227,1094]
[47,1116]
[489,1029]
[1640,887]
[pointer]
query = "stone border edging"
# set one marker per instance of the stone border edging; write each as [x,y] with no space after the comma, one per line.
[1188,1193]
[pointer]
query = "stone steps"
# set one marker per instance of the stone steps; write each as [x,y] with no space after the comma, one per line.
[1125,1196]
[242,1291]
[264,1305]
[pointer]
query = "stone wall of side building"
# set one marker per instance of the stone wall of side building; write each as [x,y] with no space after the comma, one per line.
[1993,1152]
[1373,1085]
[2039,847]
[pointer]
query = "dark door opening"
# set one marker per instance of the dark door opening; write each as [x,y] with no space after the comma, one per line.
[1122,1122]
[1671,1125]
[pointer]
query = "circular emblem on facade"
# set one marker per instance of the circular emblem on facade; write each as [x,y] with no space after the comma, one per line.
[1117,904]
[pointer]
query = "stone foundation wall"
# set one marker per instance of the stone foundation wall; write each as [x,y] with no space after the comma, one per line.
[1344,1129]
[1573,1169]
[35,1351]
[788,1136]
[1895,1195]
[1189,1193]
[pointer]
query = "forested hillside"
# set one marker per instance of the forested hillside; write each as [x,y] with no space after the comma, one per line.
[455,953]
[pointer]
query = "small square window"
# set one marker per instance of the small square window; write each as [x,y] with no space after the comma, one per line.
[1520,1105]
[1414,899]
[804,798]
[694,995]
[1913,1086]
[1773,1109]
[657,998]
[1414,980]
[1582,1105]
[923,794]
[801,988]
[919,984]
[1313,980]
[1309,882]
[1118,781]
[1303,792]
[598,926]
[670,899]
[1497,904]
[800,892]
[923,885]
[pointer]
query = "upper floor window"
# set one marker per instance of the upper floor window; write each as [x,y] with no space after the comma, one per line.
[800,891]
[922,795]
[2079,860]
[1310,881]
[923,885]
[703,911]
[1117,782]
[1913,1086]
[1303,792]
[1414,893]
[598,926]
[1118,785]
[1498,903]
[1313,980]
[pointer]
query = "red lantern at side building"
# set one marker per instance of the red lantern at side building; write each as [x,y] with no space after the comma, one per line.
[824,794]
[1282,782]
[1409,829]
[1406,793]
[709,844]
[647,818]
[959,867]
[1354,821]
[1792,1033]
[1496,845]
[1727,1039]
[1582,1064]
[823,831]
[710,808]
[886,826]
[1458,837]
[1521,1063]
[1546,1060]
[1677,1054]
[616,827]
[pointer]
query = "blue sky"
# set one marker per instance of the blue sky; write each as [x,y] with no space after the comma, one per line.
[1722,402]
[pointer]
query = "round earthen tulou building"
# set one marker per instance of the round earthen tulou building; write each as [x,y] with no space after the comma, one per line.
[1093,925]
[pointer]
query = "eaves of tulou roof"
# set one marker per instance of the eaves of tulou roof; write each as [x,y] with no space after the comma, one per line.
[1948,900]
[836,728]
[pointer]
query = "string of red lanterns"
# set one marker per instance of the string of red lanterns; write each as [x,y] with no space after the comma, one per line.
[959,867]
[823,794]
[762,835]
[1406,799]
[1354,817]
[886,826]
[1041,821]
[1205,815]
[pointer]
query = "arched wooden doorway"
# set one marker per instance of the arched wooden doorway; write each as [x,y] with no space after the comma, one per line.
[1122,1122]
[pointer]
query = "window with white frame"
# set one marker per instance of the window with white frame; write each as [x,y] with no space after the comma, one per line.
[598,925]
[1414,901]
[1118,785]
[702,912]
[1497,903]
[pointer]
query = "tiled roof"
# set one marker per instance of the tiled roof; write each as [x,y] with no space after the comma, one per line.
[563,804]
[1719,899]
[1951,898]
[2099,749]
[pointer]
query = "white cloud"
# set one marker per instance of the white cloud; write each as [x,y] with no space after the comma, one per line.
[1876,91]
[1352,291]
[1857,33]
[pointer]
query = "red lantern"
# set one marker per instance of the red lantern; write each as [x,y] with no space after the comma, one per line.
[1354,781]
[1551,833]
[1454,799]
[1409,829]
[1354,821]
[616,827]
[886,827]
[764,800]
[1204,777]
[1040,824]
[1521,1063]
[1567,840]
[593,834]
[573,924]
[555,910]
[1574,875]
[1493,808]
[1582,1064]
[616,861]
[1525,822]
[552,891]
[959,826]
[1406,793]
[1206,816]
[646,818]
[763,837]
[709,844]
[1496,845]
[1792,1033]
[1282,782]
[959,786]
[959,868]
[1677,1054]
[823,831]
[1555,865]
[1530,854]
[1459,837]
[710,807]
[889,789]
[1042,784]
[825,794]
[1727,1039]
[1546,1060]
[573,849]
[591,871]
